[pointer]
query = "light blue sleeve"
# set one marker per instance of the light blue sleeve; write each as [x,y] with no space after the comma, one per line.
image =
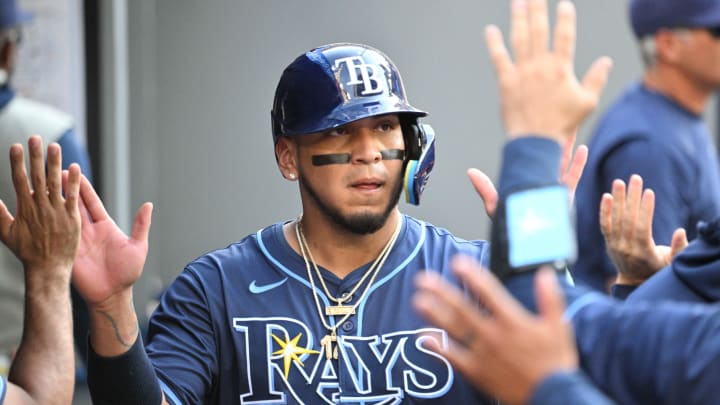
[3,389]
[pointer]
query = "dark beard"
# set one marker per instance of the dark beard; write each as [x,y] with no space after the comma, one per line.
[361,224]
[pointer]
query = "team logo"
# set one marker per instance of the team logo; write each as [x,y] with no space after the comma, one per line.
[285,364]
[369,77]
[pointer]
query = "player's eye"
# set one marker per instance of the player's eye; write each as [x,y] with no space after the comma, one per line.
[387,126]
[337,131]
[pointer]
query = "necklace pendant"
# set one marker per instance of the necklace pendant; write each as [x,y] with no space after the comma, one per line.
[334,310]
[327,344]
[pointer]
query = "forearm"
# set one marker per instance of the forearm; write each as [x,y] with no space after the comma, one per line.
[44,365]
[118,367]
[113,325]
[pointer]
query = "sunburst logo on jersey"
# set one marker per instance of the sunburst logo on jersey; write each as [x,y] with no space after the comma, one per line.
[290,351]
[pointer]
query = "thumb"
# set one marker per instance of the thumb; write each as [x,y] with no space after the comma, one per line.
[679,242]
[141,226]
[485,189]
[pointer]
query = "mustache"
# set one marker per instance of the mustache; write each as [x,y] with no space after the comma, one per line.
[345,158]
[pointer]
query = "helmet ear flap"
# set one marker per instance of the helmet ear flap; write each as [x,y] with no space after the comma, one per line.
[414,138]
[420,152]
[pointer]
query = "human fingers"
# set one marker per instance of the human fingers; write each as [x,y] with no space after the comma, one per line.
[519,31]
[72,189]
[491,293]
[618,207]
[54,174]
[446,307]
[678,243]
[538,18]
[567,148]
[632,207]
[572,176]
[91,201]
[37,169]
[645,216]
[606,217]
[141,225]
[550,300]
[498,53]
[19,176]
[595,79]
[565,31]
[6,221]
[485,189]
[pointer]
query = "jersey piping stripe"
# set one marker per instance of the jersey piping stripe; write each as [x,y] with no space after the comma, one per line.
[581,303]
[169,395]
[393,273]
[289,273]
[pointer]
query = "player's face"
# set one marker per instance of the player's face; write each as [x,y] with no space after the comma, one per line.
[700,58]
[344,176]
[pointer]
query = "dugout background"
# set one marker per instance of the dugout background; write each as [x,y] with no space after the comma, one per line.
[181,92]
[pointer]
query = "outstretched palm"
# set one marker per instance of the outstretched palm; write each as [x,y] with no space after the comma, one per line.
[108,261]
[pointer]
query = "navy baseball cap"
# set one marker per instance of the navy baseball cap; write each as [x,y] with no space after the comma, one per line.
[11,15]
[648,16]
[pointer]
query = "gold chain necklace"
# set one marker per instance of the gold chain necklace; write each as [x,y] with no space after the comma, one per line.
[340,309]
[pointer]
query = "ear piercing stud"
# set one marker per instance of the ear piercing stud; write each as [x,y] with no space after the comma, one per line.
[291,176]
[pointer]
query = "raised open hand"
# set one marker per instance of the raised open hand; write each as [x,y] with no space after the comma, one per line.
[505,350]
[108,261]
[570,172]
[45,231]
[539,91]
[626,224]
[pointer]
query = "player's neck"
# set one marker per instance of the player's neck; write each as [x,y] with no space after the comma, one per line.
[669,81]
[338,250]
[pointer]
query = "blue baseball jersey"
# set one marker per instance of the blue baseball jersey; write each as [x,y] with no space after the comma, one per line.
[241,324]
[649,134]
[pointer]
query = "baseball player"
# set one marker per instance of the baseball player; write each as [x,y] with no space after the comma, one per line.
[655,129]
[315,309]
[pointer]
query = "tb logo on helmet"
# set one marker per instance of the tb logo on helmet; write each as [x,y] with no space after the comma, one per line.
[360,73]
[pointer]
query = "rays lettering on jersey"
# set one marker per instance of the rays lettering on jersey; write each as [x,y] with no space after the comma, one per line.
[284,363]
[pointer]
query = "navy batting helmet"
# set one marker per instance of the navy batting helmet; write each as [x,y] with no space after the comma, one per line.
[337,84]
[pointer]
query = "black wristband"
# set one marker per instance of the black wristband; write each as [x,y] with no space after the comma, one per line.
[123,380]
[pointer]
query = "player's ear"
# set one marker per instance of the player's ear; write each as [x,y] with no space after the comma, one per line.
[668,45]
[285,153]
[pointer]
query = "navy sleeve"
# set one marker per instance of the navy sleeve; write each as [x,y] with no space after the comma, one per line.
[657,353]
[671,207]
[568,389]
[181,342]
[529,162]
[73,151]
[621,291]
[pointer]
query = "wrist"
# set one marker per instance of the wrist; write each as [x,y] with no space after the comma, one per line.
[47,278]
[623,279]
[113,324]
